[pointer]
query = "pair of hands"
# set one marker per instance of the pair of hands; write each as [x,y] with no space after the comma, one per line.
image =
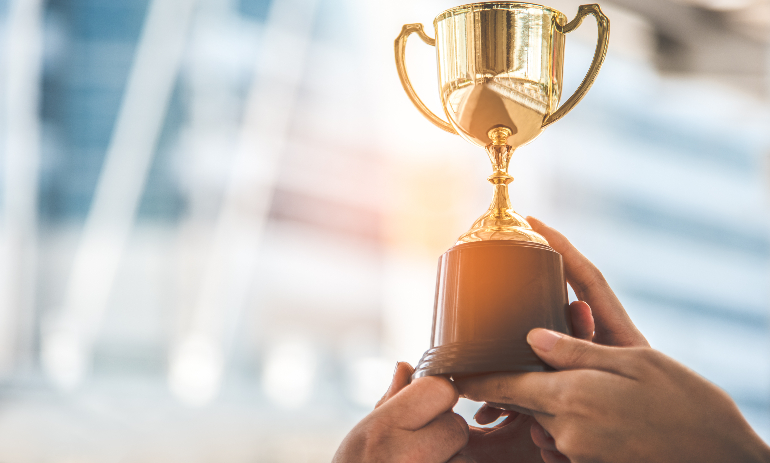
[613,400]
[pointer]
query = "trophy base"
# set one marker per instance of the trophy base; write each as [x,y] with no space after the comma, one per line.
[489,295]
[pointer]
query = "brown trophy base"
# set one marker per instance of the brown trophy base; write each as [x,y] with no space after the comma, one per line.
[489,295]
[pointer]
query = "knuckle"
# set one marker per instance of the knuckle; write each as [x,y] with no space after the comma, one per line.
[578,354]
[374,441]
[591,277]
[566,442]
[640,362]
[571,443]
[492,387]
[577,385]
[573,401]
[457,430]
[650,357]
[501,390]
[443,389]
[564,396]
[599,278]
[576,398]
[375,435]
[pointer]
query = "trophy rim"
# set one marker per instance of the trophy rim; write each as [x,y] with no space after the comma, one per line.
[491,6]
[525,244]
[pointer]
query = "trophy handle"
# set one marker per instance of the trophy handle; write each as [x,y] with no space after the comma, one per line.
[603,24]
[400,46]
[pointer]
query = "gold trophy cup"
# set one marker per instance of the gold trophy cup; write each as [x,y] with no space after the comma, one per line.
[500,81]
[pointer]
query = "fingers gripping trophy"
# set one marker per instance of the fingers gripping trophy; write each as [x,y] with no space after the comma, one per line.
[500,81]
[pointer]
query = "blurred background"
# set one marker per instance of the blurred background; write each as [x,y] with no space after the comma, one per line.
[220,219]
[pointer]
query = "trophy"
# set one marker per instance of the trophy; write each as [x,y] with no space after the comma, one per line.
[500,81]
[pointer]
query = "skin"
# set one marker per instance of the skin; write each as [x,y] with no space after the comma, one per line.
[411,423]
[598,317]
[610,404]
[511,440]
[615,399]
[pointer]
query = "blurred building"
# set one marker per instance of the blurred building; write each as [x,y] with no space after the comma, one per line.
[221,217]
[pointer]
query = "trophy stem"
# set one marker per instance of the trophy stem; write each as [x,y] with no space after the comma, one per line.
[500,222]
[500,153]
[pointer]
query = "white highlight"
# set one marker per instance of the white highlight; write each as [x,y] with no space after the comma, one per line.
[63,358]
[118,191]
[20,74]
[233,255]
[196,370]
[289,373]
[368,379]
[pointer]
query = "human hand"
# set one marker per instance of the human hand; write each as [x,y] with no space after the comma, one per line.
[511,439]
[621,405]
[598,306]
[412,422]
[612,325]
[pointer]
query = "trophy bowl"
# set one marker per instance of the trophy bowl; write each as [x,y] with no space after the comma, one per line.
[500,82]
[500,65]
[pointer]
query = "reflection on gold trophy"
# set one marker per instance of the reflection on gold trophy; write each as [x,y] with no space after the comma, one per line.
[500,81]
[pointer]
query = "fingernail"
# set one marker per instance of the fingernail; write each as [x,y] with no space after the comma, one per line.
[543,339]
[478,412]
[393,380]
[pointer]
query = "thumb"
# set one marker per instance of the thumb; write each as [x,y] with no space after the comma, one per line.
[566,353]
[402,376]
[419,403]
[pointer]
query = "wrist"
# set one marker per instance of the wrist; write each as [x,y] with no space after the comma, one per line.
[764,452]
[740,443]
[758,451]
